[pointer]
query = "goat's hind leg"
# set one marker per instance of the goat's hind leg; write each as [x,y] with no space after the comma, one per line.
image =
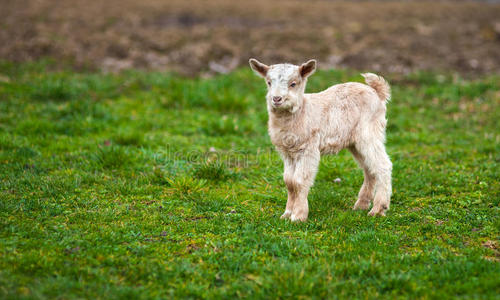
[379,164]
[365,195]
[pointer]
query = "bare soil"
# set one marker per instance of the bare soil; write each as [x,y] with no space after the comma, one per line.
[202,37]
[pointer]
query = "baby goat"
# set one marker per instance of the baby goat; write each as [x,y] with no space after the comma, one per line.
[305,126]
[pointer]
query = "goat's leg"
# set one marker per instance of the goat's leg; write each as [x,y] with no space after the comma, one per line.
[289,169]
[306,167]
[383,189]
[380,166]
[365,195]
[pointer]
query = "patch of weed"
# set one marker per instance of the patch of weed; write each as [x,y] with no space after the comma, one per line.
[111,157]
[211,170]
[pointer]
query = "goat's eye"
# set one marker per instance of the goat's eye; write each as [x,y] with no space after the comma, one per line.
[293,84]
[269,83]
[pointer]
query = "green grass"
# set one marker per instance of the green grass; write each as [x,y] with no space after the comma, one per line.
[147,185]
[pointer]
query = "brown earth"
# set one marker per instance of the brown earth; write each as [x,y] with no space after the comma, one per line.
[197,36]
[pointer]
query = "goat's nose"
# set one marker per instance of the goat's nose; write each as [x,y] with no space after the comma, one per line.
[277,98]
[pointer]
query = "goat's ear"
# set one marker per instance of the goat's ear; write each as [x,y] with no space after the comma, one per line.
[258,67]
[306,69]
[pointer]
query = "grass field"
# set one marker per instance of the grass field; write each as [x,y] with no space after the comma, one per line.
[148,185]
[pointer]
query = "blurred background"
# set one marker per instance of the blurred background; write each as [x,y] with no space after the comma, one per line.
[200,37]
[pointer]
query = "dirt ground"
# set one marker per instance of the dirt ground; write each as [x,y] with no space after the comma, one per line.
[205,37]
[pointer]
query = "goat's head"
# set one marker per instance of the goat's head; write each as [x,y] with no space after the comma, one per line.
[285,83]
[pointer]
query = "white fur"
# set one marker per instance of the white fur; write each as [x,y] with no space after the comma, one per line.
[306,126]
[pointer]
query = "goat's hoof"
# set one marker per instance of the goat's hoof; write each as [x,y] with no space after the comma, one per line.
[377,211]
[286,214]
[298,217]
[361,204]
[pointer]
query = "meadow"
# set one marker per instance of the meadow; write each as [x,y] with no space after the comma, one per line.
[151,185]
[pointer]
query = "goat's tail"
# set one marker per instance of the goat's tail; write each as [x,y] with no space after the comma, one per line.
[379,84]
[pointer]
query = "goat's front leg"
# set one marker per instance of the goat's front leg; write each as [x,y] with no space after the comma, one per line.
[306,167]
[289,169]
